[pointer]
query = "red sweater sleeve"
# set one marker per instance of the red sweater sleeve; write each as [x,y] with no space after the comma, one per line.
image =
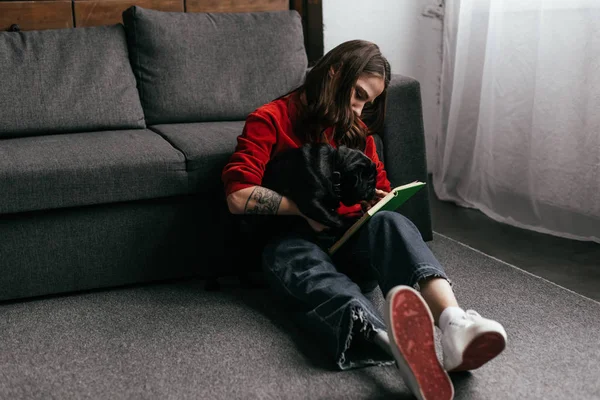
[382,181]
[246,166]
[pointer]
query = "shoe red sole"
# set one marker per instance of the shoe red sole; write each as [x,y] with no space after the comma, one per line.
[413,331]
[482,349]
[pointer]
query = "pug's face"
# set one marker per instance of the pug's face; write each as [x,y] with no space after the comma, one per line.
[358,176]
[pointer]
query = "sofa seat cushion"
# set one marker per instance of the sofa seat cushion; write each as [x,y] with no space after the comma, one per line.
[78,169]
[207,147]
[200,67]
[67,80]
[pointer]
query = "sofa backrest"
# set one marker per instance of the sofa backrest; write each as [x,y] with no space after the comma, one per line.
[195,67]
[66,80]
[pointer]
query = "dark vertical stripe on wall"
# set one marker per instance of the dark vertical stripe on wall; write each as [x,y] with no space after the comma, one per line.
[314,14]
[311,12]
[73,12]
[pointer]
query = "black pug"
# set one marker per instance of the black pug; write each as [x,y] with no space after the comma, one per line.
[318,176]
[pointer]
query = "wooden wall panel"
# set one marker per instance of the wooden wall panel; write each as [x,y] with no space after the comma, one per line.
[34,15]
[297,5]
[107,12]
[236,5]
[53,14]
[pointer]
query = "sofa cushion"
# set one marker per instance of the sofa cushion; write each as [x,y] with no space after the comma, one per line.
[195,67]
[66,80]
[79,169]
[207,147]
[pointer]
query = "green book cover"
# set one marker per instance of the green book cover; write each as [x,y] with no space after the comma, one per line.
[391,202]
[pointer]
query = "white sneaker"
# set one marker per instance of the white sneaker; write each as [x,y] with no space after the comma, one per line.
[411,332]
[471,341]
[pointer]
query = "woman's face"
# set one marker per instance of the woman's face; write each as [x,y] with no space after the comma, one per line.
[367,88]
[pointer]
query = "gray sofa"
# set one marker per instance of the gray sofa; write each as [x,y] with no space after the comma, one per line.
[113,138]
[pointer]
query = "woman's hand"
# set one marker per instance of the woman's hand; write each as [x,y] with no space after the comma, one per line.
[294,210]
[379,194]
[316,226]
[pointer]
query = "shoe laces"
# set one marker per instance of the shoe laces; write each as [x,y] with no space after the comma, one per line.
[467,319]
[472,315]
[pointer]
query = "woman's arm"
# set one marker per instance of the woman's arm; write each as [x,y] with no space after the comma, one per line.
[260,200]
[382,180]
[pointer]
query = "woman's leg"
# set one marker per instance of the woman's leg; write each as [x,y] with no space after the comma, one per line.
[438,295]
[392,248]
[329,304]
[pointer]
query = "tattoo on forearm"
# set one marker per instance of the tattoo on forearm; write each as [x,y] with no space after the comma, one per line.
[263,201]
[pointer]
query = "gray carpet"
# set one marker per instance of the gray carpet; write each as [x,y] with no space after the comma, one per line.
[177,341]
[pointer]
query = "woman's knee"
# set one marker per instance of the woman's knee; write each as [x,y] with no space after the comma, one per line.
[390,224]
[386,218]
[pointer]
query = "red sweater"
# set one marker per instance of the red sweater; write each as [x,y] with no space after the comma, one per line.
[268,130]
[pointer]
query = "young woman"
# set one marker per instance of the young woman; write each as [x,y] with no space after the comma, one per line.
[341,102]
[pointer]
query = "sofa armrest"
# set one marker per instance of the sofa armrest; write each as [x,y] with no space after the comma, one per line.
[404,148]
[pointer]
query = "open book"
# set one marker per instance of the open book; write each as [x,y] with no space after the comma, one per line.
[394,199]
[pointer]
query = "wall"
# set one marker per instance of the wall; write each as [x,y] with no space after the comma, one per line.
[409,33]
[56,14]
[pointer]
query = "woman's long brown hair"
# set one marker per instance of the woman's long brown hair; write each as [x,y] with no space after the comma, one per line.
[328,95]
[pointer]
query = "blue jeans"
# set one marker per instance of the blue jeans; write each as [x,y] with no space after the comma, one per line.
[326,293]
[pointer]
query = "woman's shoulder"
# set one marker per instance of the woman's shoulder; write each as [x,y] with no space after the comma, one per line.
[278,109]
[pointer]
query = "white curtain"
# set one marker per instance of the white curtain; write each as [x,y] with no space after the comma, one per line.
[520,104]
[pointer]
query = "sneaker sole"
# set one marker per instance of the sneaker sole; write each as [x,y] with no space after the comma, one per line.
[412,331]
[482,349]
